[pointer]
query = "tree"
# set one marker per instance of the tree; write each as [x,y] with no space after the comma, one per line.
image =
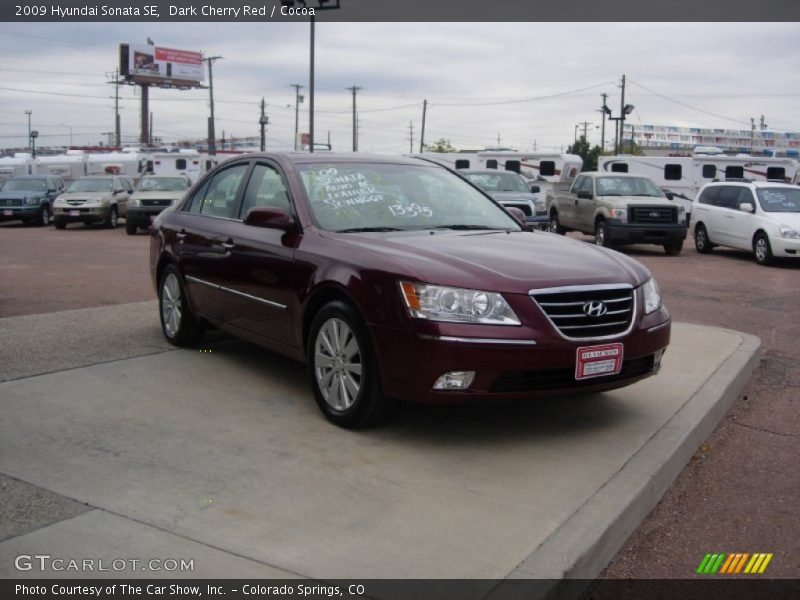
[440,145]
[588,153]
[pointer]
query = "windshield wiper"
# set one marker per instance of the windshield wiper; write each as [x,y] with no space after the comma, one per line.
[366,229]
[468,227]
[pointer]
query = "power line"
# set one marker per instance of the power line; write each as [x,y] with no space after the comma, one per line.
[689,106]
[520,100]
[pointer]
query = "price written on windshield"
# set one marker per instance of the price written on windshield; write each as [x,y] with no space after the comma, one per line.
[411,210]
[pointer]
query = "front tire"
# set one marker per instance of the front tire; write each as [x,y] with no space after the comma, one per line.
[673,248]
[601,234]
[555,227]
[44,216]
[178,324]
[701,241]
[112,219]
[343,368]
[60,223]
[130,228]
[762,249]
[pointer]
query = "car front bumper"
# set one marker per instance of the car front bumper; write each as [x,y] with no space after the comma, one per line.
[638,233]
[785,247]
[411,362]
[12,213]
[142,216]
[84,214]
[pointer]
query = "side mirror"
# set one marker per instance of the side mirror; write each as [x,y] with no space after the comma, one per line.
[585,195]
[519,216]
[535,189]
[669,195]
[269,217]
[747,207]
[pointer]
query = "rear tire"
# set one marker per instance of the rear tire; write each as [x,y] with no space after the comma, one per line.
[343,368]
[178,324]
[762,249]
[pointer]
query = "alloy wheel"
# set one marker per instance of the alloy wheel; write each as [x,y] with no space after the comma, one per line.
[337,364]
[171,306]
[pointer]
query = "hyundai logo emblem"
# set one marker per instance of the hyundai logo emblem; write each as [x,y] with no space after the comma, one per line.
[594,309]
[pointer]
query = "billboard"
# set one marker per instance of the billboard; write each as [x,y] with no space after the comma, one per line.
[144,63]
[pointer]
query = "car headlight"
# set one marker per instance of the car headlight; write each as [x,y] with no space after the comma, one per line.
[134,201]
[620,213]
[652,296]
[31,200]
[681,215]
[788,232]
[98,199]
[440,303]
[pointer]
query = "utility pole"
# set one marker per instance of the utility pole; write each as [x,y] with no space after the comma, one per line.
[117,127]
[263,122]
[763,124]
[585,127]
[410,137]
[605,110]
[150,136]
[212,141]
[498,139]
[354,89]
[311,88]
[752,133]
[297,100]
[422,133]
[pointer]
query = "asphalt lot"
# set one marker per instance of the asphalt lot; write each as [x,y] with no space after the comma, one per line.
[739,492]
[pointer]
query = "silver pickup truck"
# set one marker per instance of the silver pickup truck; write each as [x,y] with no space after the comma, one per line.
[618,209]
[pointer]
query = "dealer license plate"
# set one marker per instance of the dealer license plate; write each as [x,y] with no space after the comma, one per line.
[74,213]
[598,361]
[8,213]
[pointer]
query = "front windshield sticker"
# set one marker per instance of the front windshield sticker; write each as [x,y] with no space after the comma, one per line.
[412,210]
[346,190]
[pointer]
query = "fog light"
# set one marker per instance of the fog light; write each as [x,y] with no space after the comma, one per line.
[455,380]
[657,360]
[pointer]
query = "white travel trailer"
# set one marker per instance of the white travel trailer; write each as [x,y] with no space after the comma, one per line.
[13,166]
[544,169]
[69,166]
[685,175]
[190,163]
[131,164]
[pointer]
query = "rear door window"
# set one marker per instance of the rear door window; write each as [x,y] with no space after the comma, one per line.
[217,198]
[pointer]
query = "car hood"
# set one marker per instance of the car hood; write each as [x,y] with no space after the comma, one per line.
[85,195]
[513,196]
[638,200]
[21,194]
[514,262]
[158,195]
[785,218]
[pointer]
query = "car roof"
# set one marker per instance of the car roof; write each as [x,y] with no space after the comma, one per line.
[327,157]
[614,174]
[485,171]
[755,183]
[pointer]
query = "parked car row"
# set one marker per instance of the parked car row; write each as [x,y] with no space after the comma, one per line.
[90,199]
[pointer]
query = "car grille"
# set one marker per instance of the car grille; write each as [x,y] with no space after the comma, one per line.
[74,202]
[548,379]
[11,201]
[156,202]
[523,206]
[584,312]
[648,215]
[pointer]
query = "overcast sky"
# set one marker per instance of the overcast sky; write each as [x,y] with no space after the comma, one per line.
[528,83]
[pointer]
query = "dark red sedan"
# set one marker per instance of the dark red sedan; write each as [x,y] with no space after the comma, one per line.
[396,279]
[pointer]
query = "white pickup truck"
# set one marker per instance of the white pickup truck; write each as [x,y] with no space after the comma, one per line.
[618,209]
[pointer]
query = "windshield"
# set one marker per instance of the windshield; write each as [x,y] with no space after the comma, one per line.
[162,184]
[388,197]
[499,182]
[627,186]
[785,200]
[91,185]
[25,185]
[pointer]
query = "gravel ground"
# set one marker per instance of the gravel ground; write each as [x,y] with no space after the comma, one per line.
[739,493]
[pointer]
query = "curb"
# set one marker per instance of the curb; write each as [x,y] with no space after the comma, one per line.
[582,547]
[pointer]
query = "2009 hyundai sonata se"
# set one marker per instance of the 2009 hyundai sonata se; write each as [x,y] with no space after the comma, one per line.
[396,279]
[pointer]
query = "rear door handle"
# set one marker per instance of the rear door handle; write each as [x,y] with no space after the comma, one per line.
[181,234]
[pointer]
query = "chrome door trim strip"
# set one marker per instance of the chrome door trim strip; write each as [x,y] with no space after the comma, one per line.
[236,292]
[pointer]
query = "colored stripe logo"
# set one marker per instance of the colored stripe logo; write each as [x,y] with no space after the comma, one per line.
[734,562]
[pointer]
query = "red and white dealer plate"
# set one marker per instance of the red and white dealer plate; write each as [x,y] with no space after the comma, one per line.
[598,361]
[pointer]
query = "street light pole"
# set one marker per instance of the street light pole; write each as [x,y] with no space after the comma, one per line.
[34,135]
[30,142]
[354,89]
[297,100]
[70,132]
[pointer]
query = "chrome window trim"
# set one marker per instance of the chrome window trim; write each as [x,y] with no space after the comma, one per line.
[581,288]
[235,292]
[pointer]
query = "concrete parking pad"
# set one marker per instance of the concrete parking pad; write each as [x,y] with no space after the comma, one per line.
[226,449]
